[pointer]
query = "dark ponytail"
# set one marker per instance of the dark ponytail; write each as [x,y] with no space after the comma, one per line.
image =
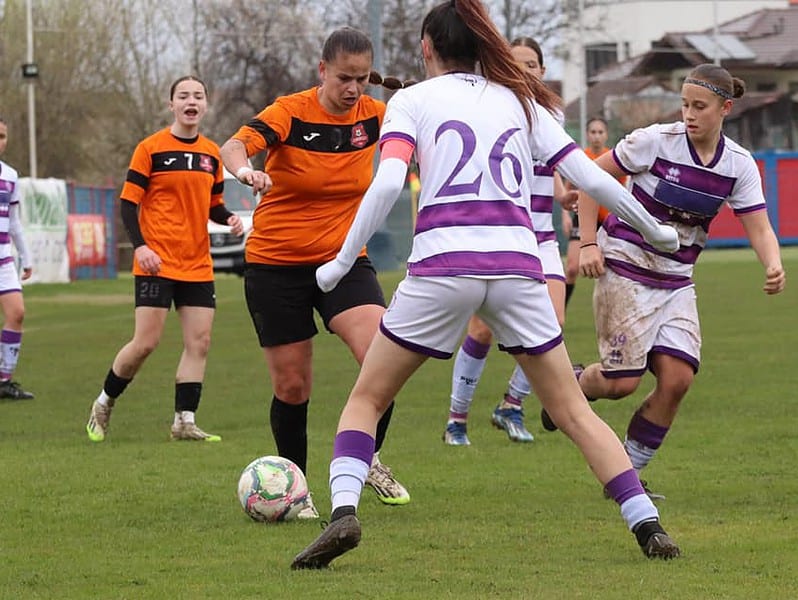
[389,82]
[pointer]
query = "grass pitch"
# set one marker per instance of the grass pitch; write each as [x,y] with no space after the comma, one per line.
[139,516]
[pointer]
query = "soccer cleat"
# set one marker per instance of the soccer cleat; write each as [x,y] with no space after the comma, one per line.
[455,434]
[654,541]
[341,535]
[11,390]
[189,432]
[309,512]
[511,420]
[546,421]
[387,488]
[99,418]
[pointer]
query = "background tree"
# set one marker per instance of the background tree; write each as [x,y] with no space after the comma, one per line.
[106,66]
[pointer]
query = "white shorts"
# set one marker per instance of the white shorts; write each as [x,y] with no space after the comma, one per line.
[634,321]
[429,314]
[9,278]
[551,260]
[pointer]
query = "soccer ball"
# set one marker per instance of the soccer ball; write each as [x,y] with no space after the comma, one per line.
[272,488]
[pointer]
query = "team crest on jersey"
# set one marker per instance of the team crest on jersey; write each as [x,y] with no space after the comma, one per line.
[205,163]
[359,136]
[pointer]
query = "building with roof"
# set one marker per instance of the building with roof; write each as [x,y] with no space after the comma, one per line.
[760,47]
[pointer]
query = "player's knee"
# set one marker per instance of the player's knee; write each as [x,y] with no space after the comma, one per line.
[622,387]
[291,389]
[200,346]
[675,388]
[144,347]
[480,332]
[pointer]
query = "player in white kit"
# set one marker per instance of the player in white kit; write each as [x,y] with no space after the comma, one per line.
[644,300]
[11,302]
[474,252]
[469,362]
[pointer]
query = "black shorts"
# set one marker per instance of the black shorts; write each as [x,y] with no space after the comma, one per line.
[281,299]
[160,292]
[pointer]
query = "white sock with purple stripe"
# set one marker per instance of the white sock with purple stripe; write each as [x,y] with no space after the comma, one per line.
[10,342]
[468,366]
[627,491]
[352,455]
[518,387]
[643,438]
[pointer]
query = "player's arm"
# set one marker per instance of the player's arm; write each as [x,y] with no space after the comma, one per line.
[599,184]
[220,214]
[147,258]
[567,198]
[15,230]
[255,136]
[591,260]
[374,208]
[766,245]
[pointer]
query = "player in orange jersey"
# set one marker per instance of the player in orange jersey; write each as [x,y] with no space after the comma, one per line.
[597,133]
[320,147]
[174,184]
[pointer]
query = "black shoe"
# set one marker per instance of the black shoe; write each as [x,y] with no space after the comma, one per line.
[341,535]
[13,391]
[654,541]
[546,421]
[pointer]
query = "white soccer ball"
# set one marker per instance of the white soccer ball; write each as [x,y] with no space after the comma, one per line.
[272,488]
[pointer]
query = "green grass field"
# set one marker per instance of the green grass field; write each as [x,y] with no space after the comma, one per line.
[142,517]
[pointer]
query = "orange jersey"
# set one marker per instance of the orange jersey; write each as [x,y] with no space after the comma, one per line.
[321,165]
[603,212]
[175,183]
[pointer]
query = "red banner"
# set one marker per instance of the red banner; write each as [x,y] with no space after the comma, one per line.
[86,240]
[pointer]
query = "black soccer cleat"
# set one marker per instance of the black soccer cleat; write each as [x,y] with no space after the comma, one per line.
[654,541]
[340,536]
[546,421]
[11,390]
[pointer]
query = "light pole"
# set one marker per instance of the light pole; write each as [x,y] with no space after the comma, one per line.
[375,33]
[30,72]
[582,76]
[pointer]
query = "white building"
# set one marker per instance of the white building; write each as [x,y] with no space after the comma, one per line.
[615,30]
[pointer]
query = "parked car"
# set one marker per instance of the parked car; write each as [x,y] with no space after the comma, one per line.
[227,250]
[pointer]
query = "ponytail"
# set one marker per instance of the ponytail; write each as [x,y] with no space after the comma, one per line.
[389,82]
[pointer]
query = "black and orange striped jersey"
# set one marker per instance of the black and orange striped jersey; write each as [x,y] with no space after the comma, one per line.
[175,182]
[321,165]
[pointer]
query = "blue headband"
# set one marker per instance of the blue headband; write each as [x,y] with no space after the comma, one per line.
[719,91]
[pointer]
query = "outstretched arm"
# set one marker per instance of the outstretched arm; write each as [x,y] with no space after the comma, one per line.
[374,208]
[599,184]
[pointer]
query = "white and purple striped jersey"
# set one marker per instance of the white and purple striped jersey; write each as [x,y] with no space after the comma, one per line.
[669,180]
[9,195]
[474,216]
[542,202]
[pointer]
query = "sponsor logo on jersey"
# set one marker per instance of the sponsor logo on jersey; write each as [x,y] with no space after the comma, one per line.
[311,136]
[673,174]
